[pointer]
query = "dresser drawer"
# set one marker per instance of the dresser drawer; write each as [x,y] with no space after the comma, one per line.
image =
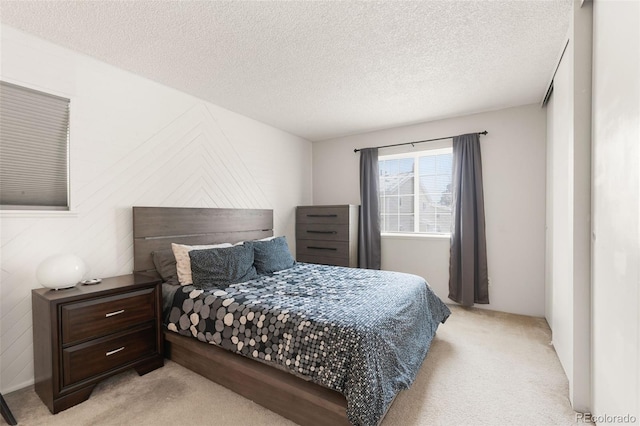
[89,359]
[97,317]
[308,231]
[335,249]
[333,215]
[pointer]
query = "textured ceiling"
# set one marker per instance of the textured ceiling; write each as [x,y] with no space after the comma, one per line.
[320,69]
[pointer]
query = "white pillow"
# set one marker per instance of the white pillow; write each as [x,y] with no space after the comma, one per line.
[183,263]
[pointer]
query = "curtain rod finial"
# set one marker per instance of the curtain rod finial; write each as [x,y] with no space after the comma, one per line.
[356,150]
[483,133]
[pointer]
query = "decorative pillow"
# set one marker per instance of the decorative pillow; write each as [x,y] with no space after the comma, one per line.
[272,255]
[183,263]
[220,267]
[165,263]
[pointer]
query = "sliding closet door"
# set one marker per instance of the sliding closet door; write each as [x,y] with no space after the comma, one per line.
[560,262]
[568,259]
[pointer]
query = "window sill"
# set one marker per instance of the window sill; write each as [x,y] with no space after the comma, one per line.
[400,236]
[37,214]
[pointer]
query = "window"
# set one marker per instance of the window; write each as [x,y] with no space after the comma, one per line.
[415,192]
[34,141]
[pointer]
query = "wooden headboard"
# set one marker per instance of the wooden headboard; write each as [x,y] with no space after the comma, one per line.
[155,228]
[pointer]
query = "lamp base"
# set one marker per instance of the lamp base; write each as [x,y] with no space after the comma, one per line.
[61,288]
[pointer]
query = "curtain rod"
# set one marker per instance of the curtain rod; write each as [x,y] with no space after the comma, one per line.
[411,143]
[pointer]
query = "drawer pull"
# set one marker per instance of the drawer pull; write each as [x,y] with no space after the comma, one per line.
[115,351]
[110,314]
[322,215]
[322,232]
[322,248]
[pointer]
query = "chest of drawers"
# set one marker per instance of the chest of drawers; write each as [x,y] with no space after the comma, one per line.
[327,234]
[85,334]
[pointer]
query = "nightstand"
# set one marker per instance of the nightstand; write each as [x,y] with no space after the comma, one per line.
[85,334]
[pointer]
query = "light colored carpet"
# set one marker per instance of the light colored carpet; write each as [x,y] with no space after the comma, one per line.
[484,368]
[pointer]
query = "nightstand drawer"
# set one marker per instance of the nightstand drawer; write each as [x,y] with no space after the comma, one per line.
[324,232]
[97,317]
[335,249]
[89,359]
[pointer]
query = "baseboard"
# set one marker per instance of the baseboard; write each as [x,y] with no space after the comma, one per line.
[19,386]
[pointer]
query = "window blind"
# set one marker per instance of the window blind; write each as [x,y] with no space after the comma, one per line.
[34,135]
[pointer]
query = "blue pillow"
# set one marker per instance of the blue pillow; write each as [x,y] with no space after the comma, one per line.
[219,267]
[272,255]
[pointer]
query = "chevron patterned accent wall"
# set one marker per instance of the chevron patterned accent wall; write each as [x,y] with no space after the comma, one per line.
[133,142]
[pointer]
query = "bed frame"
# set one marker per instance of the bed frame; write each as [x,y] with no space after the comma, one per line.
[155,228]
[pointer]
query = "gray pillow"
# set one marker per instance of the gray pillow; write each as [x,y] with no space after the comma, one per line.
[272,255]
[222,266]
[165,263]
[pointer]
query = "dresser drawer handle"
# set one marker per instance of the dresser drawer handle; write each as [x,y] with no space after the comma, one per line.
[110,314]
[322,215]
[115,351]
[322,248]
[322,232]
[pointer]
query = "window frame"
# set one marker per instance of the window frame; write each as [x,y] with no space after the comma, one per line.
[415,155]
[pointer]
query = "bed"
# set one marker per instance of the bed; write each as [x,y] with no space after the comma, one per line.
[316,344]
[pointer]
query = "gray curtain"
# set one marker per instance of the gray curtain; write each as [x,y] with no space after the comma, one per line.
[468,276]
[369,223]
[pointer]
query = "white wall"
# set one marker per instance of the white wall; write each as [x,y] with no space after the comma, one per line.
[513,158]
[616,209]
[133,142]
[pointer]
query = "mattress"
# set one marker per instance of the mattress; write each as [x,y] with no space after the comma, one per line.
[360,332]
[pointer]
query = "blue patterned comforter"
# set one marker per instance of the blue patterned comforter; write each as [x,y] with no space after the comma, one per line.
[360,332]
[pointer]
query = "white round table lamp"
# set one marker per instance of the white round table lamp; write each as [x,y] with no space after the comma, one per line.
[60,271]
